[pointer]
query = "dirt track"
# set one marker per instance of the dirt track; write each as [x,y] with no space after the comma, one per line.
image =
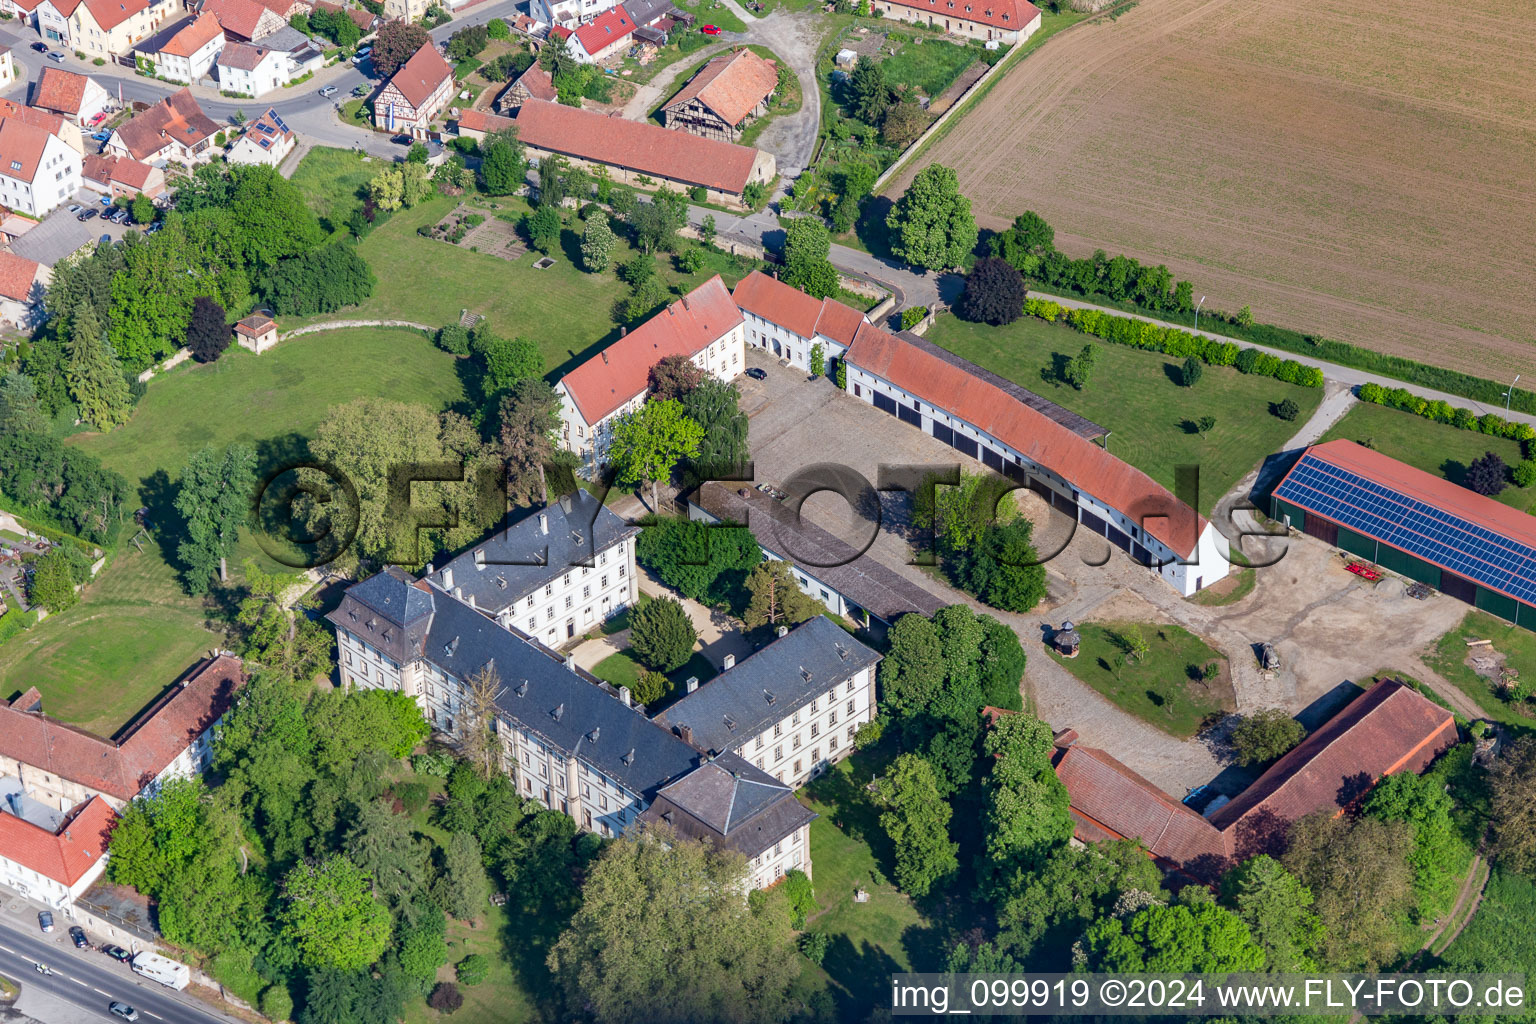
[1360,169]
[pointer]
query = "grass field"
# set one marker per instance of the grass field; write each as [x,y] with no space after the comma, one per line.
[333,178]
[1499,936]
[1135,395]
[1437,448]
[1357,190]
[929,64]
[1159,687]
[1516,643]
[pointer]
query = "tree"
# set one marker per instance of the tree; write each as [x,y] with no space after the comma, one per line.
[396,43]
[272,216]
[497,28]
[1002,569]
[1486,475]
[289,646]
[755,195]
[1203,939]
[506,361]
[916,818]
[208,331]
[705,563]
[95,377]
[807,245]
[647,444]
[1189,373]
[818,360]
[530,422]
[1438,848]
[142,208]
[1043,912]
[1027,819]
[1080,367]
[381,844]
[387,189]
[20,409]
[445,997]
[597,243]
[1025,243]
[1357,871]
[913,669]
[53,581]
[466,890]
[673,377]
[904,122]
[650,687]
[724,960]
[214,500]
[801,896]
[1277,908]
[715,405]
[868,93]
[931,224]
[417,154]
[1288,409]
[320,281]
[543,228]
[1205,424]
[994,293]
[468,42]
[276,1002]
[707,230]
[1512,813]
[331,917]
[473,969]
[776,598]
[1265,735]
[654,226]
[478,741]
[502,163]
[661,634]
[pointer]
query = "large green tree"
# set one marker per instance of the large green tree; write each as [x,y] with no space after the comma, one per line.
[1002,568]
[1511,781]
[597,243]
[648,444]
[706,563]
[1361,884]
[465,889]
[397,42]
[1277,908]
[530,424]
[916,817]
[330,915]
[381,844]
[95,377]
[931,224]
[20,408]
[1439,854]
[715,405]
[1027,820]
[502,162]
[1200,939]
[776,598]
[664,935]
[213,500]
[1044,911]
[661,634]
[807,266]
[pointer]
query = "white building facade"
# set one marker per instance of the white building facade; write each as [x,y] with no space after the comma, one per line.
[38,170]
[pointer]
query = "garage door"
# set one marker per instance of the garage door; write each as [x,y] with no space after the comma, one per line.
[943,433]
[964,445]
[991,459]
[909,415]
[885,403]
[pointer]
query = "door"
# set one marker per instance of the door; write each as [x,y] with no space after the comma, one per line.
[885,403]
[570,628]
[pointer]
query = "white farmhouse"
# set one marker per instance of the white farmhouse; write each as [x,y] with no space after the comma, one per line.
[38,170]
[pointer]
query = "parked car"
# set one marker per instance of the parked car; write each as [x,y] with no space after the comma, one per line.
[40,47]
[120,217]
[56,56]
[156,226]
[401,140]
[75,207]
[329,91]
[756,373]
[106,200]
[98,119]
[710,30]
[117,953]
[77,936]
[124,1011]
[45,920]
[105,239]
[365,51]
[361,90]
[102,136]
[87,214]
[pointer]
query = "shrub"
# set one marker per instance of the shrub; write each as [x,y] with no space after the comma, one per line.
[413,796]
[446,997]
[801,896]
[453,338]
[1265,735]
[1486,475]
[813,945]
[869,733]
[651,687]
[1189,373]
[698,193]
[842,374]
[276,1003]
[472,969]
[1288,409]
[661,634]
[994,293]
[1524,474]
[912,316]
[437,765]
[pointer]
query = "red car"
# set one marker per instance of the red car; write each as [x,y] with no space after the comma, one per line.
[710,30]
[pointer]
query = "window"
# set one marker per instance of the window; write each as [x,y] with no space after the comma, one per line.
[530,600]
[586,791]
[602,559]
[586,592]
[778,753]
[778,729]
[795,718]
[603,583]
[815,701]
[549,590]
[797,766]
[565,581]
[759,742]
[567,600]
[850,705]
[856,392]
[815,754]
[533,623]
[832,719]
[549,613]
[623,568]
[832,744]
[851,731]
[850,686]
[815,729]
[796,742]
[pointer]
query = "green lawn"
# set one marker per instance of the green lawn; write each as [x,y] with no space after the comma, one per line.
[1134,394]
[1516,643]
[621,669]
[1437,448]
[500,999]
[929,64]
[624,669]
[100,663]
[1159,687]
[713,12]
[333,178]
[1238,585]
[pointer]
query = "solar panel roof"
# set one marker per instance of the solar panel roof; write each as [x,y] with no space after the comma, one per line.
[1495,560]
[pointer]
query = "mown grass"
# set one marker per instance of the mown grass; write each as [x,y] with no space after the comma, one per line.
[1160,687]
[333,179]
[929,64]
[1137,396]
[1516,643]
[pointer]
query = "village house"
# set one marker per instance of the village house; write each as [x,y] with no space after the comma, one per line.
[554,573]
[7,70]
[185,52]
[38,170]
[634,148]
[568,740]
[79,98]
[705,326]
[568,13]
[48,121]
[1035,443]
[595,41]
[727,94]
[23,283]
[24,11]
[789,323]
[1007,21]
[533,84]
[48,856]
[175,129]
[119,177]
[243,20]
[251,70]
[102,28]
[256,333]
[477,124]
[305,54]
[266,140]
[417,93]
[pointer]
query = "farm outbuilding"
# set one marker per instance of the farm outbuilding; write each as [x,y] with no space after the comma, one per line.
[1415,524]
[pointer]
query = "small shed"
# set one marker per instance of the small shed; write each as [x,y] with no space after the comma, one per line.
[257,332]
[846,58]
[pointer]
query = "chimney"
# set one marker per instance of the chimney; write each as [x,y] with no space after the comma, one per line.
[729,663]
[570,662]
[686,732]
[480,558]
[783,631]
[624,696]
[429,568]
[544,523]
[458,592]
[622,331]
[692,683]
[605,353]
[448,577]
[472,602]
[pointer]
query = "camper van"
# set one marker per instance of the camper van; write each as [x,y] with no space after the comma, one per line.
[167,972]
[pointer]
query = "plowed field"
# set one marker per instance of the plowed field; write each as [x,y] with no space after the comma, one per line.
[1364,169]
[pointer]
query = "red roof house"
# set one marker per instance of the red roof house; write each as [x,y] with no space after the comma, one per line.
[72,858]
[419,90]
[600,38]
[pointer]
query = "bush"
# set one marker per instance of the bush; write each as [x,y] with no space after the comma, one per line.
[801,896]
[1265,735]
[453,338]
[1001,568]
[473,969]
[651,687]
[413,796]
[1189,373]
[698,193]
[446,997]
[1524,474]
[994,293]
[437,765]
[276,1003]
[912,316]
[1288,409]
[661,635]
[1486,475]
[813,945]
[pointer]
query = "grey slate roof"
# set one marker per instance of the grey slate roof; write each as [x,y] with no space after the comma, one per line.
[731,803]
[1079,425]
[55,237]
[579,527]
[735,705]
[287,39]
[644,12]
[876,588]
[391,610]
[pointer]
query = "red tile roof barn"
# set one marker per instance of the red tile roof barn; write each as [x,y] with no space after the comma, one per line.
[637,146]
[539,83]
[1009,15]
[481,121]
[66,856]
[58,89]
[21,148]
[731,85]
[794,310]
[421,76]
[194,36]
[1080,462]
[622,370]
[17,275]
[151,743]
[1388,729]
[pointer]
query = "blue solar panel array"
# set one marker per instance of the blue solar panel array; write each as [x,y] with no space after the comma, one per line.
[1449,541]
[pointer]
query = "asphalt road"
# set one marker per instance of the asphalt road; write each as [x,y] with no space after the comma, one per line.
[86,978]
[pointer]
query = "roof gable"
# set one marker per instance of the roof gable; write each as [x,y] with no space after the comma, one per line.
[731,85]
[58,89]
[421,76]
[612,26]
[65,856]
[1009,15]
[193,36]
[17,276]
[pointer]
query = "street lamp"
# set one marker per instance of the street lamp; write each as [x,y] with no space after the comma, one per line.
[1510,393]
[1197,311]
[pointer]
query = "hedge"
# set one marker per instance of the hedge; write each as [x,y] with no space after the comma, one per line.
[1441,411]
[52,533]
[1134,333]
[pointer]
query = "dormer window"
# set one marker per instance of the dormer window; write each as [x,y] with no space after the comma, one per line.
[559,710]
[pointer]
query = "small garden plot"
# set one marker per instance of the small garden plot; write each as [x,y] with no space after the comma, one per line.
[928,64]
[471,228]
